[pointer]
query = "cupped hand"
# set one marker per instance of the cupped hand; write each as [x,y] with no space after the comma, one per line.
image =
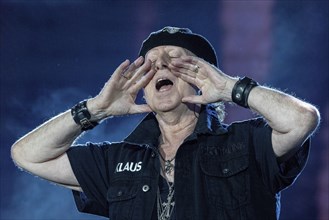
[119,93]
[213,83]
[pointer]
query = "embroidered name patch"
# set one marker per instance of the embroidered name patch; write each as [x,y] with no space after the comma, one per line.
[225,150]
[129,167]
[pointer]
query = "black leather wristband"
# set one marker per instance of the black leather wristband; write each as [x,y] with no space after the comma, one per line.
[241,90]
[82,116]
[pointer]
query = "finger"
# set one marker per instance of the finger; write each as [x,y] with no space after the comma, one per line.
[130,71]
[187,68]
[189,59]
[192,60]
[141,71]
[186,78]
[144,76]
[144,80]
[117,75]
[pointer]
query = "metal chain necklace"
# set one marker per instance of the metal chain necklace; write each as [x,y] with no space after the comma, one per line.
[165,209]
[168,164]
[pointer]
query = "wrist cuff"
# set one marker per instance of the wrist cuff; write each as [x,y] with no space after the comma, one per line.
[82,116]
[241,90]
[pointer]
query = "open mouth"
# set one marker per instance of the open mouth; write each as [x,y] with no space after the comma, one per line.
[163,84]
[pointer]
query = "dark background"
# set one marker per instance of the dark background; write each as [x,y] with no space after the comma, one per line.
[56,53]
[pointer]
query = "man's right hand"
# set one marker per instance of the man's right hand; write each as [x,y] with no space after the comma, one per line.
[119,93]
[43,150]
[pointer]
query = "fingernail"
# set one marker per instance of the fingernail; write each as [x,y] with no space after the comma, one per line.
[139,59]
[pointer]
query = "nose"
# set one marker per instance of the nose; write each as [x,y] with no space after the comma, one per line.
[162,61]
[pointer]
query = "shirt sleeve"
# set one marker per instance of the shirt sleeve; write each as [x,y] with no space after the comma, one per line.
[89,164]
[277,175]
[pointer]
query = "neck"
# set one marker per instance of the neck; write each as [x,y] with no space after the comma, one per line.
[175,127]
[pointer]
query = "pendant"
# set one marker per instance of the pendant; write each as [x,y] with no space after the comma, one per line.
[169,205]
[168,167]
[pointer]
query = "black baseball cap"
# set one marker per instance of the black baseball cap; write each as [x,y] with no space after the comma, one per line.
[181,37]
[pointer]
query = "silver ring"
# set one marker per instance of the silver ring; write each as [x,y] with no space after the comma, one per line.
[196,69]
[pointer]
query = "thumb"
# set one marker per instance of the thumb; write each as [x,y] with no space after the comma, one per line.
[195,99]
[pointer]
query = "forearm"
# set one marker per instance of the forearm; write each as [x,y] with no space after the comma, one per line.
[48,141]
[292,120]
[283,112]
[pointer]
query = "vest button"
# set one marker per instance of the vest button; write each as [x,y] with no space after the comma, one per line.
[145,188]
[153,154]
[119,193]
[225,170]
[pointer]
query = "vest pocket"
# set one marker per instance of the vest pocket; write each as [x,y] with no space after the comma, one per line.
[121,196]
[226,179]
